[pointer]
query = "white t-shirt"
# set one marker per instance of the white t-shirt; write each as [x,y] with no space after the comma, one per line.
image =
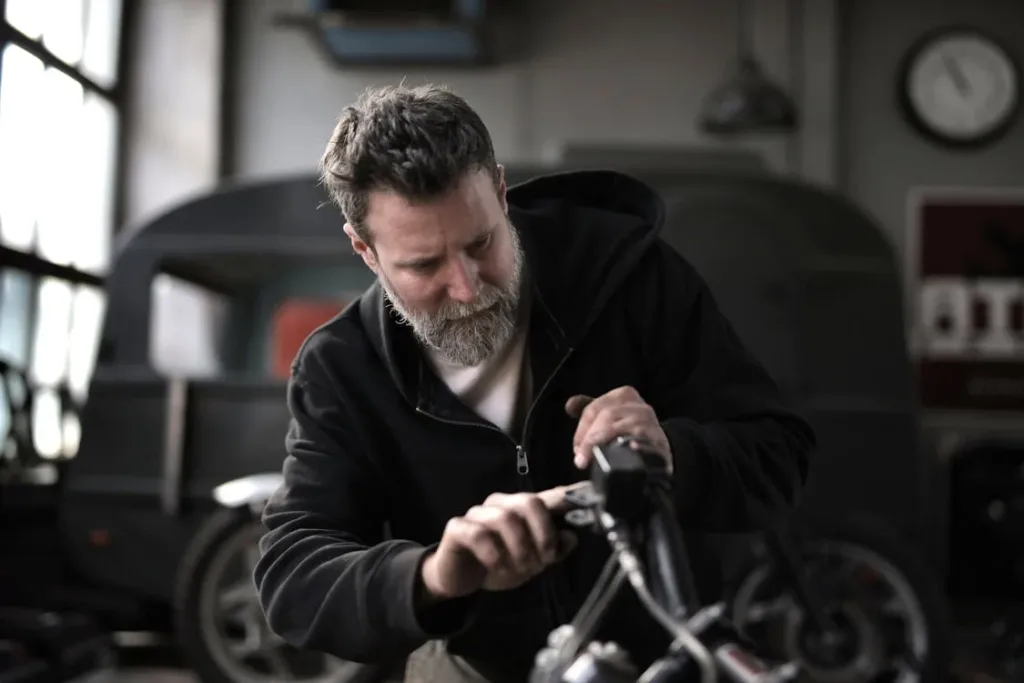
[497,389]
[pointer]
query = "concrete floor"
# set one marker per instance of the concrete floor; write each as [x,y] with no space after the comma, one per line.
[160,664]
[155,663]
[152,675]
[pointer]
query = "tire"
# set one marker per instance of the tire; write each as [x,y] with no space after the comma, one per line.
[863,543]
[200,627]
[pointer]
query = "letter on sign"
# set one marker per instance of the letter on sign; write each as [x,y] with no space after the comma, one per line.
[972,318]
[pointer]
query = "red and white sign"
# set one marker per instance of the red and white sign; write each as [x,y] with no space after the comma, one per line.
[966,282]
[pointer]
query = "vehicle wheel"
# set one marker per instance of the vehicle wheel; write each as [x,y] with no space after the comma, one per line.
[219,623]
[890,618]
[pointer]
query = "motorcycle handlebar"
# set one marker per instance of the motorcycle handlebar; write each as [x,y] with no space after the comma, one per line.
[671,578]
[630,497]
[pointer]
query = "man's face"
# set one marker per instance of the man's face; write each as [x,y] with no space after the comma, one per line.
[451,267]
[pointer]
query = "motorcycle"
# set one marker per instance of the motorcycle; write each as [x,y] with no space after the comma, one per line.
[833,632]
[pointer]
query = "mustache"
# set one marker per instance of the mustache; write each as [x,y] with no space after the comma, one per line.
[455,311]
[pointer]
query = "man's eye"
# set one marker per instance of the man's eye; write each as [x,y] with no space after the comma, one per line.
[424,267]
[480,245]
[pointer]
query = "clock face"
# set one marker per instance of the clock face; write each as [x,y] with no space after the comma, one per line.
[962,87]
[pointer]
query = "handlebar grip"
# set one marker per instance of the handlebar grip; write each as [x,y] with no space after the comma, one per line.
[620,475]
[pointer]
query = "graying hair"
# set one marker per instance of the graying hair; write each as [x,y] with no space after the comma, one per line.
[415,141]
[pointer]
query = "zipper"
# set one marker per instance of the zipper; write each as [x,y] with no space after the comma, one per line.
[522,455]
[536,402]
[523,470]
[547,587]
[522,462]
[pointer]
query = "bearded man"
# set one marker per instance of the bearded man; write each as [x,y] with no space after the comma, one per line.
[509,331]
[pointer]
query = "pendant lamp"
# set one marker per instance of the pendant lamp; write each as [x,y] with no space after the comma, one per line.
[749,102]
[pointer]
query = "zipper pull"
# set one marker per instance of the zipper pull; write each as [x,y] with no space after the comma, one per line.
[522,464]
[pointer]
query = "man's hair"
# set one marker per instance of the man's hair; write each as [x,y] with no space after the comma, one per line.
[415,141]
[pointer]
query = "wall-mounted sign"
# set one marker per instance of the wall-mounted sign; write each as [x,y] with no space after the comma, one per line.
[965,276]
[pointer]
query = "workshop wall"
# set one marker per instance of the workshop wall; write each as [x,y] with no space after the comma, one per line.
[588,71]
[592,71]
[654,63]
[657,60]
[173,111]
[882,157]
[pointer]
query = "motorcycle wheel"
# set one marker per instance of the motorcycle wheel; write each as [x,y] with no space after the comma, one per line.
[889,620]
[219,622]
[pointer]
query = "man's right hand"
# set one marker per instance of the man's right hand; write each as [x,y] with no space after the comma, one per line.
[498,546]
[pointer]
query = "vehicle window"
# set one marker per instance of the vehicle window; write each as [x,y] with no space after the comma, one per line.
[188,327]
[252,328]
[290,305]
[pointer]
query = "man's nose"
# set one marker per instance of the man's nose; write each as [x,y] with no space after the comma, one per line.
[462,281]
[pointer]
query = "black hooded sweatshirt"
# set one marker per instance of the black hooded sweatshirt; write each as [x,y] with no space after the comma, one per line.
[377,440]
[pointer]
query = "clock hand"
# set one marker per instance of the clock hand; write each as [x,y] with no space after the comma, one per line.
[957,75]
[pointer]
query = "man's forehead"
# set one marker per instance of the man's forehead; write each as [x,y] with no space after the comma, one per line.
[399,223]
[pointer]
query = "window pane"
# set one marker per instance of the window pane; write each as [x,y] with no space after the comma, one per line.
[5,425]
[46,423]
[91,225]
[54,433]
[53,328]
[83,33]
[14,402]
[87,310]
[22,146]
[102,39]
[15,316]
[44,115]
[59,120]
[71,434]
[28,16]
[62,30]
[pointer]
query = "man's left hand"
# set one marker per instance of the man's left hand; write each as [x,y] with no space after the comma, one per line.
[620,412]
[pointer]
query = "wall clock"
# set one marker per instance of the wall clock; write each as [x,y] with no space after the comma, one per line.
[959,88]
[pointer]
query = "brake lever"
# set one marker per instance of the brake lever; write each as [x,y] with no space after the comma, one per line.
[582,502]
[582,494]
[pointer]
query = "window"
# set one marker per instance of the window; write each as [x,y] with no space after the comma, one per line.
[81,33]
[177,304]
[245,314]
[57,154]
[59,133]
[15,321]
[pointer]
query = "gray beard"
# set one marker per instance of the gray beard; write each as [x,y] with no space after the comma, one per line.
[467,334]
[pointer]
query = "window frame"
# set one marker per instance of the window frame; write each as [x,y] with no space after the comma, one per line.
[115,95]
[30,263]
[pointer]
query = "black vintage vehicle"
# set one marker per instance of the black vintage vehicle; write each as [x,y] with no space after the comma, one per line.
[182,434]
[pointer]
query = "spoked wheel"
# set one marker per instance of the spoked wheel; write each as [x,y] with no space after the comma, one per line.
[885,619]
[220,624]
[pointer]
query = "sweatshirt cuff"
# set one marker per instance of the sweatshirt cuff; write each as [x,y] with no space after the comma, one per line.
[441,620]
[690,466]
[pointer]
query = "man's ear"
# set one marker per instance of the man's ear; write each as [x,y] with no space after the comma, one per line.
[502,189]
[360,247]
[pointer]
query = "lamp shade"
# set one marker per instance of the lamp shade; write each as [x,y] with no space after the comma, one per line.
[748,103]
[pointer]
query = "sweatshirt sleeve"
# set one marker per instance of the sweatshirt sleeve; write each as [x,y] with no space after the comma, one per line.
[327,578]
[740,455]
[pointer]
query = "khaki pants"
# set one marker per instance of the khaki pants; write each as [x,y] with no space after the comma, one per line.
[433,664]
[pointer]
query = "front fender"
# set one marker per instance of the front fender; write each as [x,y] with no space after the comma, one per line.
[253,491]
